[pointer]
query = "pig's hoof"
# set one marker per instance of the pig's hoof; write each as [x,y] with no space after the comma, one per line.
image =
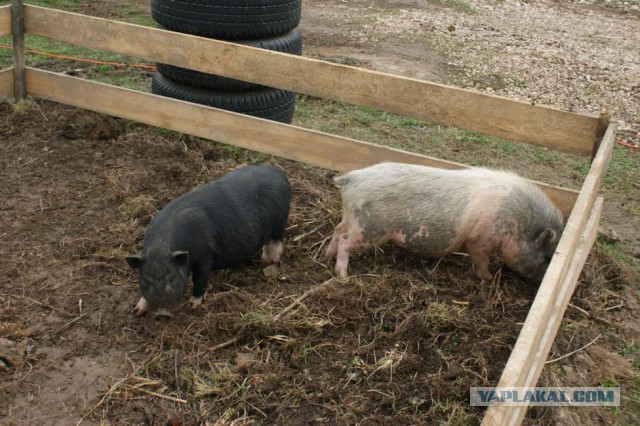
[141,307]
[484,275]
[162,314]
[196,302]
[272,251]
[342,277]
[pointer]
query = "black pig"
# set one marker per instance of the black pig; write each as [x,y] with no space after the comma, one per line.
[219,225]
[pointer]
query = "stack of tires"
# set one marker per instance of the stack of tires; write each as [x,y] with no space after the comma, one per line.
[266,24]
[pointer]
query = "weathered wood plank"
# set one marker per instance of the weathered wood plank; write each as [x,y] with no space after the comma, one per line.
[5,20]
[295,143]
[6,84]
[17,34]
[410,97]
[534,342]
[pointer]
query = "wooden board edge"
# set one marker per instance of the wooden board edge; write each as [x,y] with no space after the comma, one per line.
[518,370]
[5,20]
[513,415]
[6,84]
[286,141]
[461,108]
[269,137]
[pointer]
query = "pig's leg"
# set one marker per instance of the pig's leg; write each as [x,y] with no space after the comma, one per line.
[479,253]
[342,259]
[332,250]
[200,278]
[272,251]
[141,307]
[349,235]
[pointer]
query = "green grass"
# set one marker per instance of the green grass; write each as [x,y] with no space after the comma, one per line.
[616,252]
[135,78]
[123,11]
[57,4]
[459,4]
[623,170]
[122,73]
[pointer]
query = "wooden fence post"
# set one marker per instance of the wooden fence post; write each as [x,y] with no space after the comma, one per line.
[17,30]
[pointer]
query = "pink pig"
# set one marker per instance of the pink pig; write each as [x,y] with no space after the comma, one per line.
[433,212]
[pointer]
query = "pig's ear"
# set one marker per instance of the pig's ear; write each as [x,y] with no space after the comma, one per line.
[135,261]
[180,257]
[545,237]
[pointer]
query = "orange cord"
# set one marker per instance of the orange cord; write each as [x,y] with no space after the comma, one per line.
[629,145]
[91,61]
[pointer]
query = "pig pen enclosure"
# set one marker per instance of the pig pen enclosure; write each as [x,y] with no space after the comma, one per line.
[401,342]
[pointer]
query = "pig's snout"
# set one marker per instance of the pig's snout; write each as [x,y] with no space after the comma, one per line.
[162,314]
[143,307]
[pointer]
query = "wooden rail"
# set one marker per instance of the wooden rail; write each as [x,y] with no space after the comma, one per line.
[576,133]
[295,143]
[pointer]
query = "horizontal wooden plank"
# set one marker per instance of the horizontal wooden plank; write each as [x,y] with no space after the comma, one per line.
[307,146]
[6,84]
[295,143]
[5,20]
[527,358]
[423,100]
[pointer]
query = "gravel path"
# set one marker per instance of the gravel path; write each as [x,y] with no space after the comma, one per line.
[581,56]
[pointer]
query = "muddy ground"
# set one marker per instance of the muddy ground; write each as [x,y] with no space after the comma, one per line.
[400,343]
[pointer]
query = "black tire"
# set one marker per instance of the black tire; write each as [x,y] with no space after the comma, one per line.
[228,19]
[273,104]
[290,42]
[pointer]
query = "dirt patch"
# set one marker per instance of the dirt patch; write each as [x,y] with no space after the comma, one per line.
[337,32]
[401,342]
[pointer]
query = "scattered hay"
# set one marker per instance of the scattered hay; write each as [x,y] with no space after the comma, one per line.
[400,342]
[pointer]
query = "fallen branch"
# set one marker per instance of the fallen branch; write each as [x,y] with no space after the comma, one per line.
[305,234]
[578,308]
[299,300]
[225,344]
[63,328]
[44,305]
[576,351]
[159,395]
[610,308]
